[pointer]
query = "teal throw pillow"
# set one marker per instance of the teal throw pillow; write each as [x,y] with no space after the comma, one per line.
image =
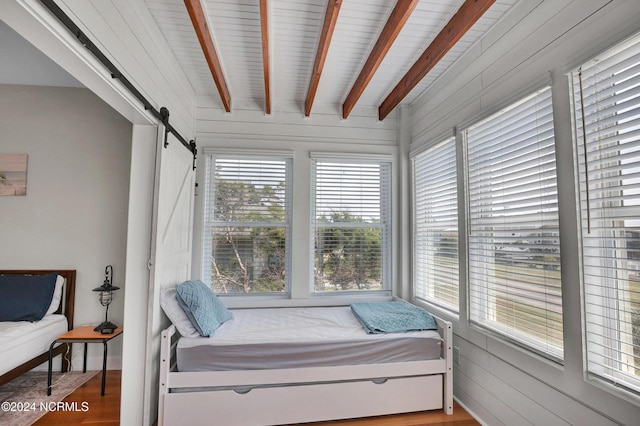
[205,310]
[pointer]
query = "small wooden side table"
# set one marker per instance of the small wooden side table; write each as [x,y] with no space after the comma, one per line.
[84,335]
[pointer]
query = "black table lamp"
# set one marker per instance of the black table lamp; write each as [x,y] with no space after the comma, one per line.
[106,296]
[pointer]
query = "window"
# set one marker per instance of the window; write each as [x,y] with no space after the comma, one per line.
[607,113]
[435,266]
[247,224]
[351,224]
[514,247]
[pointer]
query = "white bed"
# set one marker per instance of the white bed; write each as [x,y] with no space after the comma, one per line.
[24,345]
[303,365]
[23,340]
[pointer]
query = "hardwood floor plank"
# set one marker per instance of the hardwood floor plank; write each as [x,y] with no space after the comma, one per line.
[103,410]
[434,418]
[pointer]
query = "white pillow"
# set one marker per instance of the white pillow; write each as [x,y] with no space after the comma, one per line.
[176,314]
[57,296]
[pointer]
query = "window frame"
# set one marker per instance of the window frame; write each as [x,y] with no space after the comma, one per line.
[385,225]
[601,303]
[415,157]
[478,318]
[286,157]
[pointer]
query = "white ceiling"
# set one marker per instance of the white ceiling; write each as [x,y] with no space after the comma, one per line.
[294,31]
[295,27]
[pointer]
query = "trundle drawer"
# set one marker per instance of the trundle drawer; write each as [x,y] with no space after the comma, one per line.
[305,403]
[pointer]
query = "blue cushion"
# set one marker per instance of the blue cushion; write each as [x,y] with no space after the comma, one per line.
[392,317]
[202,306]
[26,297]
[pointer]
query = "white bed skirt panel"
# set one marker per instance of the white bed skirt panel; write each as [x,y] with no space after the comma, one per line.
[314,402]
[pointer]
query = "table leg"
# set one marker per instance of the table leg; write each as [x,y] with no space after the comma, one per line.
[104,367]
[84,365]
[49,372]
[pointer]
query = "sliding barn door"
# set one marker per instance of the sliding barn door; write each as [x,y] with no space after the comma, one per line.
[171,243]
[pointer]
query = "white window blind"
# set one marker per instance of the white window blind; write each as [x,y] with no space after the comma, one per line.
[351,224]
[607,111]
[247,224]
[514,247]
[435,266]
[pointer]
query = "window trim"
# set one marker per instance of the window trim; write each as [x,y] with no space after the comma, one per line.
[607,376]
[386,207]
[448,139]
[250,154]
[526,342]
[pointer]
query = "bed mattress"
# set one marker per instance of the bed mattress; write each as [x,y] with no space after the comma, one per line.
[300,337]
[20,341]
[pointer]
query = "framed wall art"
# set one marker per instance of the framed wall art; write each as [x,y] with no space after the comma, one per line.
[13,174]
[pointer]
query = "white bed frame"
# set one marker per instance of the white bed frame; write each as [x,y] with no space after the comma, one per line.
[298,395]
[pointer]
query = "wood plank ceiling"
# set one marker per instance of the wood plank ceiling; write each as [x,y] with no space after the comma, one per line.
[297,53]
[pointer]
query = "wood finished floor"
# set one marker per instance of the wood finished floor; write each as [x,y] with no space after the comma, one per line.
[105,410]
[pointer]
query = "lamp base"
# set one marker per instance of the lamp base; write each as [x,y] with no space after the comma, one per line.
[106,327]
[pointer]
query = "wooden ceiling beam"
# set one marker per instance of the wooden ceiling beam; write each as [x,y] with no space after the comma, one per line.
[264,28]
[396,21]
[199,21]
[330,18]
[457,26]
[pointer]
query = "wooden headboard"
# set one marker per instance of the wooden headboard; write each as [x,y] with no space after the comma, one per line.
[66,307]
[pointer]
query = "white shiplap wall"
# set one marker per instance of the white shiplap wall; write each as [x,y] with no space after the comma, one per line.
[538,43]
[287,123]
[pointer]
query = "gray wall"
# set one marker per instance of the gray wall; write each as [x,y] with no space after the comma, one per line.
[74,215]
